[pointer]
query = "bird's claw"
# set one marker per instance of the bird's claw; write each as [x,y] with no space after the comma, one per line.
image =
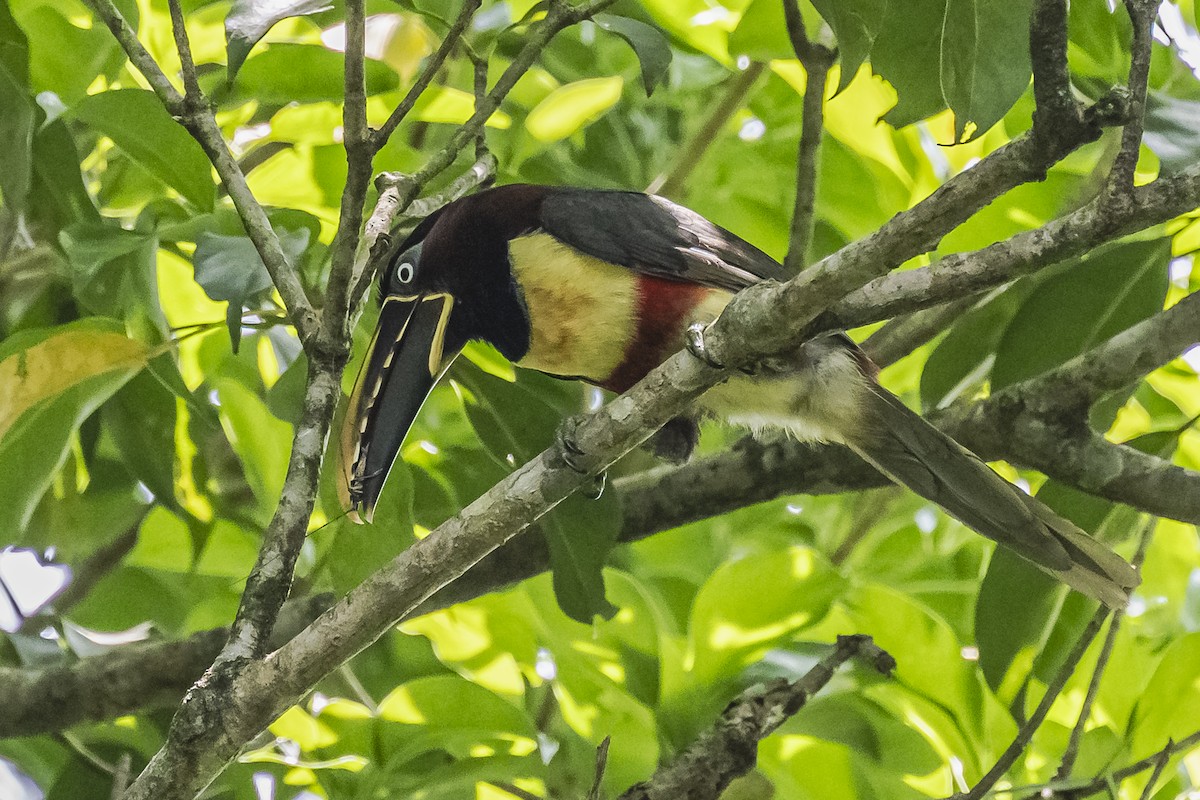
[572,455]
[694,339]
[695,345]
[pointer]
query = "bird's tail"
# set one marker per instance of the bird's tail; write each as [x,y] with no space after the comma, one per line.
[908,449]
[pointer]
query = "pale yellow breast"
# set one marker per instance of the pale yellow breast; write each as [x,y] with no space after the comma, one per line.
[582,310]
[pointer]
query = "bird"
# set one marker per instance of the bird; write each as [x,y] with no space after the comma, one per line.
[603,285]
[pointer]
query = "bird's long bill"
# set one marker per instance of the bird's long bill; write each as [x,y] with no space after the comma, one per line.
[406,357]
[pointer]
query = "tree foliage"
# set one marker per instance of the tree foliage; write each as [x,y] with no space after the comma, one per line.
[168,359]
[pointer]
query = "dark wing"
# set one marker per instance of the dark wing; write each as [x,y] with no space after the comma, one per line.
[652,235]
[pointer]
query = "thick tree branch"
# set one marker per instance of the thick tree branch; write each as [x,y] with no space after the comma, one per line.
[963,274]
[816,59]
[126,680]
[729,748]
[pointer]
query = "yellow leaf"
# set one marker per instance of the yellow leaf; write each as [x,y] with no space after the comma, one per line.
[571,107]
[50,367]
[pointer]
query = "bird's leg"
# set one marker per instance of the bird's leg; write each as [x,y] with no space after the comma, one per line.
[571,454]
[675,441]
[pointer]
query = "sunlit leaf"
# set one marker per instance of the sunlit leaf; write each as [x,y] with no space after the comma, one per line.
[50,381]
[137,122]
[985,60]
[571,107]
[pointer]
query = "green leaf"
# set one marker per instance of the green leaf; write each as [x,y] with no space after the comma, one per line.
[137,122]
[261,441]
[960,363]
[985,60]
[52,380]
[750,605]
[1173,131]
[114,272]
[59,196]
[571,107]
[581,532]
[761,34]
[229,268]
[907,53]
[1171,705]
[855,24]
[249,20]
[301,73]
[1097,297]
[970,55]
[141,420]
[516,421]
[648,43]
[20,113]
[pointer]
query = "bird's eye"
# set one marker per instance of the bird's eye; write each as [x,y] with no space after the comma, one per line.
[404,273]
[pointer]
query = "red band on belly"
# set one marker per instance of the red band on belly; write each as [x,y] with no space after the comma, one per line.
[663,308]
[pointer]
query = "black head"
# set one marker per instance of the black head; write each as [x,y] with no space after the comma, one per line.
[446,283]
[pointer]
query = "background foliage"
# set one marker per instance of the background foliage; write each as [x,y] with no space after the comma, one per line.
[149,384]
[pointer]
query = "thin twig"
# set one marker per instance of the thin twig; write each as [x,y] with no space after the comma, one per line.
[1052,94]
[672,183]
[904,334]
[816,59]
[120,780]
[1159,766]
[139,56]
[728,749]
[360,155]
[1026,731]
[1071,752]
[1120,179]
[385,131]
[514,790]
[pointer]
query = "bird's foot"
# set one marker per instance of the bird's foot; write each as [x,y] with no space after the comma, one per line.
[694,339]
[573,456]
[695,345]
[675,441]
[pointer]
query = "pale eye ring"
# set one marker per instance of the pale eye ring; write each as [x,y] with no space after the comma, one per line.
[404,273]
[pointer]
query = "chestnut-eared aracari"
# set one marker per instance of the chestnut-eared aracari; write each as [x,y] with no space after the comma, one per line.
[600,286]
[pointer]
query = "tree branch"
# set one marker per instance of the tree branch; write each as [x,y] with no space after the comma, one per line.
[729,748]
[1051,78]
[963,274]
[139,56]
[816,59]
[1120,179]
[465,14]
[125,680]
